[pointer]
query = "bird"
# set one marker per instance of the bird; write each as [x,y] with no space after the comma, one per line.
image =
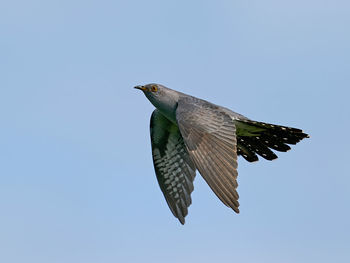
[190,134]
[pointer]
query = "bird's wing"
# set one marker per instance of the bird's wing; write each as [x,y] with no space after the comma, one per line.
[173,166]
[210,137]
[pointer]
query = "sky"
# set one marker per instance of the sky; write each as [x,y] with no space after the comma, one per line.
[77,182]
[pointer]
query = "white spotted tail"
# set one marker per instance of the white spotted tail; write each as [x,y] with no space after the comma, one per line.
[258,138]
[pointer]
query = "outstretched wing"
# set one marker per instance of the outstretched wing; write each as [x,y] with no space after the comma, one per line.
[173,166]
[210,137]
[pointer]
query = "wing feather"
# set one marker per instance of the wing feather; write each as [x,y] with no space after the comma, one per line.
[173,166]
[210,137]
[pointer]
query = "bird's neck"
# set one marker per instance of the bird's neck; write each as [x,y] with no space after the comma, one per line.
[168,110]
[167,105]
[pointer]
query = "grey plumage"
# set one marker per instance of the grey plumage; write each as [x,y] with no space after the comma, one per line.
[189,134]
[209,135]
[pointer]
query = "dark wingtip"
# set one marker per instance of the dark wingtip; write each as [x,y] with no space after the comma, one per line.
[182,220]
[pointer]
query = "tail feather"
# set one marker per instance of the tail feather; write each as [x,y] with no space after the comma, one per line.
[273,142]
[255,146]
[258,137]
[247,154]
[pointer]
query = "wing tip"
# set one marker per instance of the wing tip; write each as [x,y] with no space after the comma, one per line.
[236,209]
[182,220]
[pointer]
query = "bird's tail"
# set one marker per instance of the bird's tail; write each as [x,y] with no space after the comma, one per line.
[259,138]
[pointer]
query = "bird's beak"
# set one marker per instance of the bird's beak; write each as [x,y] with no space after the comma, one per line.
[140,88]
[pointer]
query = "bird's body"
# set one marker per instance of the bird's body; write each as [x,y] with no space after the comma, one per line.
[190,134]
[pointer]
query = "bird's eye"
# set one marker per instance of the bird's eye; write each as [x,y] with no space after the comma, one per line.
[154,88]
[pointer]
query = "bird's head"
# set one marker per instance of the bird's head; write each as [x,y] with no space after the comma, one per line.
[163,98]
[152,91]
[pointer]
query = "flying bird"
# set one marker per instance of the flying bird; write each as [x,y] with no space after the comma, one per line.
[189,134]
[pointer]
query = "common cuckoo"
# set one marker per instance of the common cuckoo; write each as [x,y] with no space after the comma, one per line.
[189,134]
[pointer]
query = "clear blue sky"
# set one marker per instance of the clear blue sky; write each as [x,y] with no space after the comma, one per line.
[76,176]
